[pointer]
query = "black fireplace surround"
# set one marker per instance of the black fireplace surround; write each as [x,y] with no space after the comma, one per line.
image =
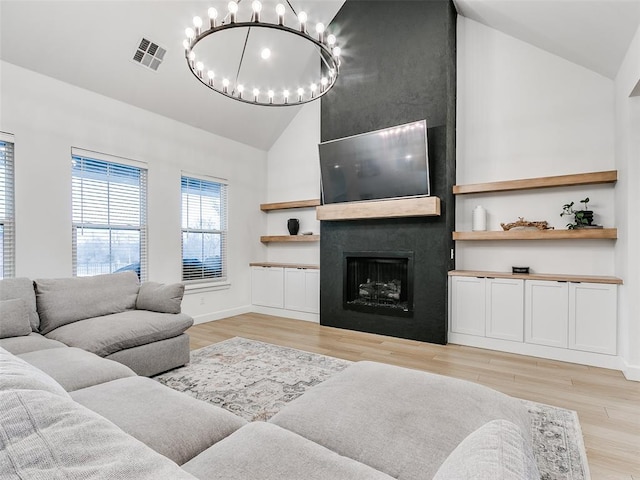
[401,69]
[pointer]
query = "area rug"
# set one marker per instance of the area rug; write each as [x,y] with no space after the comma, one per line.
[255,380]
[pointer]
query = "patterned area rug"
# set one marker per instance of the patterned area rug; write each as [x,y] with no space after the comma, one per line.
[255,380]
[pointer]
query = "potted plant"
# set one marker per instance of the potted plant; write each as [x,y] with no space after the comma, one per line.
[582,218]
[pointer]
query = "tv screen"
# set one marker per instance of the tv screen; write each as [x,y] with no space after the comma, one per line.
[388,163]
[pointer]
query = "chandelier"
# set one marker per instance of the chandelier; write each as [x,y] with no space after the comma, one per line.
[306,87]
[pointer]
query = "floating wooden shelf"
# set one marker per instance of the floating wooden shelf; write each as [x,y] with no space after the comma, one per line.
[401,207]
[581,233]
[266,207]
[285,265]
[538,276]
[592,178]
[289,238]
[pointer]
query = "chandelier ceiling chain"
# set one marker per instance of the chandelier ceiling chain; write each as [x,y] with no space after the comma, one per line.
[325,46]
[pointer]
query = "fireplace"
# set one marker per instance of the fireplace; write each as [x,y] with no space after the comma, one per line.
[378,282]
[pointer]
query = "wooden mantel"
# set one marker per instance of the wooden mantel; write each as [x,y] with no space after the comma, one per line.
[393,208]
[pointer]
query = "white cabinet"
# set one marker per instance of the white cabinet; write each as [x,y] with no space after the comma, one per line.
[504,312]
[592,317]
[468,305]
[267,286]
[489,307]
[546,315]
[302,289]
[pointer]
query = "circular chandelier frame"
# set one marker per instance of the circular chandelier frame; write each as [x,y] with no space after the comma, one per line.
[329,54]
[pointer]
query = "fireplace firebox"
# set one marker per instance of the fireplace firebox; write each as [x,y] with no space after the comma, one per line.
[379,282]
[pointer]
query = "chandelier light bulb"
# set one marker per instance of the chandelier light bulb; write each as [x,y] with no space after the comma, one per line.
[211,74]
[265,53]
[302,18]
[280,12]
[186,43]
[320,27]
[324,81]
[213,15]
[233,9]
[240,90]
[336,51]
[285,94]
[192,56]
[256,92]
[270,94]
[225,85]
[200,66]
[313,87]
[197,22]
[189,33]
[257,6]
[331,40]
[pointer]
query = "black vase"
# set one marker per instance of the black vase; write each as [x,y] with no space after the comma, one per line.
[293,225]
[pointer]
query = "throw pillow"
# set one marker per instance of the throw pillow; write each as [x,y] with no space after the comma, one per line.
[14,318]
[495,450]
[158,297]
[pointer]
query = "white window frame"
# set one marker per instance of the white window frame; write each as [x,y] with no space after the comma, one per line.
[7,199]
[207,282]
[142,227]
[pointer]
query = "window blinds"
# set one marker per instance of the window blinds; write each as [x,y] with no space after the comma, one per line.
[109,217]
[204,229]
[7,236]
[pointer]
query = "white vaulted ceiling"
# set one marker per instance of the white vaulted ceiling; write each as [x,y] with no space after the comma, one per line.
[90,43]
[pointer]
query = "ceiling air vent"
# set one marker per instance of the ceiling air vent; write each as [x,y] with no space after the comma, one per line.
[149,54]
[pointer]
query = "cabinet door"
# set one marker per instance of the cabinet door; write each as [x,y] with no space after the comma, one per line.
[302,290]
[267,286]
[546,313]
[468,305]
[593,317]
[505,308]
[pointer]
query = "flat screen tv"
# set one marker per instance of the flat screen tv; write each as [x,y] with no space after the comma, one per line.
[388,163]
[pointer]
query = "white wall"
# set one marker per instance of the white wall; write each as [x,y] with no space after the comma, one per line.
[627,202]
[293,173]
[48,117]
[523,112]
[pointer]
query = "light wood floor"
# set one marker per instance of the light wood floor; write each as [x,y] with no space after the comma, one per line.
[608,405]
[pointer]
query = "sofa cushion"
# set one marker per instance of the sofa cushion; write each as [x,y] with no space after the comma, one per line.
[496,450]
[265,451]
[17,374]
[44,436]
[400,421]
[74,368]
[14,318]
[172,423]
[62,301]
[111,333]
[33,341]
[159,297]
[11,288]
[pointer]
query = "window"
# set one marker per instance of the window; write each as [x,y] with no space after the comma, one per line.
[204,230]
[109,217]
[6,207]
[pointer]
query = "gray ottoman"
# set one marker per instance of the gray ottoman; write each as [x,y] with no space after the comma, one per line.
[399,421]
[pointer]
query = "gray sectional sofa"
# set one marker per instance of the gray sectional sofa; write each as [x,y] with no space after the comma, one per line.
[68,413]
[113,316]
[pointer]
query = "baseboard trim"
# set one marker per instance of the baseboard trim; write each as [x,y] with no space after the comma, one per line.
[631,372]
[612,362]
[281,312]
[212,316]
